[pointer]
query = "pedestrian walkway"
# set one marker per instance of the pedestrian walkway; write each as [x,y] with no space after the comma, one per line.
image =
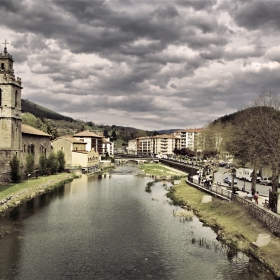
[222,191]
[263,200]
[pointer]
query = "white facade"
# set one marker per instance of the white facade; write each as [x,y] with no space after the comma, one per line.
[164,144]
[189,138]
[107,146]
[132,147]
[157,145]
[143,145]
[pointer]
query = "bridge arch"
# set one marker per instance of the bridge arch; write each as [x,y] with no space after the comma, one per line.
[132,160]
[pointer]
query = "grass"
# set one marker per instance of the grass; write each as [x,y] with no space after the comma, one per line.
[11,189]
[158,169]
[14,194]
[232,222]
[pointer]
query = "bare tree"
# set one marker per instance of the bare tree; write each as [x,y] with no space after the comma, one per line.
[268,113]
[255,138]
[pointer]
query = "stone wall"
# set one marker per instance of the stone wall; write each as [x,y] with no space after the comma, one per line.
[268,218]
[41,145]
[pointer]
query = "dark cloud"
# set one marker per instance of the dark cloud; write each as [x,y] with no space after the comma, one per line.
[197,5]
[258,15]
[157,63]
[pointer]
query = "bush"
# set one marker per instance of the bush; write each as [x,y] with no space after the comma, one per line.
[61,161]
[52,163]
[15,169]
[43,164]
[29,164]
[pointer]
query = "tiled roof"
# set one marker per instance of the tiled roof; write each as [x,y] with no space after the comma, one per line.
[27,129]
[164,136]
[104,140]
[70,139]
[193,129]
[87,133]
[80,152]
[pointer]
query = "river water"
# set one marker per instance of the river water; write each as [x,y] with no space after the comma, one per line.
[111,228]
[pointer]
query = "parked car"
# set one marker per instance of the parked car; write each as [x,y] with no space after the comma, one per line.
[266,181]
[227,180]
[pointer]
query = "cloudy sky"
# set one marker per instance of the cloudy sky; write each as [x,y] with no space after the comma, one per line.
[150,64]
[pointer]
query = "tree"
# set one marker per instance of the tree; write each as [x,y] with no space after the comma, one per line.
[61,160]
[30,163]
[30,119]
[15,169]
[114,136]
[43,163]
[52,131]
[105,133]
[268,113]
[244,143]
[255,138]
[52,163]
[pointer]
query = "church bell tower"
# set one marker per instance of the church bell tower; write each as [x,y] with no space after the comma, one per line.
[10,108]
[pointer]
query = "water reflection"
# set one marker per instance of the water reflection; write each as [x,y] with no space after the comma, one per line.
[110,228]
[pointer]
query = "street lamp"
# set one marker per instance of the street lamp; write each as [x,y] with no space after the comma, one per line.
[233,173]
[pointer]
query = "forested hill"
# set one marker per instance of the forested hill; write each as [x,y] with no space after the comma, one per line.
[41,112]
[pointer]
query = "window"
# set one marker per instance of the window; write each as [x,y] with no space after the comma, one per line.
[0,97]
[31,149]
[16,98]
[2,66]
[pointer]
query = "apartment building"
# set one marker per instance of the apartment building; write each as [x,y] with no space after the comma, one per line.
[157,145]
[143,145]
[93,141]
[164,144]
[190,138]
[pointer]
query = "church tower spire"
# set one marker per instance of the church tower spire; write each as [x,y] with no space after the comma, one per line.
[10,108]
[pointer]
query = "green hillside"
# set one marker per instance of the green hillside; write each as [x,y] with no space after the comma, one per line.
[41,112]
[57,125]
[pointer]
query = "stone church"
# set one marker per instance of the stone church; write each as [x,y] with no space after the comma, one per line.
[16,138]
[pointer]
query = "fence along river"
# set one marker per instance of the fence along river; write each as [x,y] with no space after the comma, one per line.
[111,228]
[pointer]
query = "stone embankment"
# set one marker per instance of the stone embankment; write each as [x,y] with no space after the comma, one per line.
[26,194]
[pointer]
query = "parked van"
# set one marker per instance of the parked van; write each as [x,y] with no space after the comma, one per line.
[266,181]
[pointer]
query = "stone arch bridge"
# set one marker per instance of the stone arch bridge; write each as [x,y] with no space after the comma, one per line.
[139,160]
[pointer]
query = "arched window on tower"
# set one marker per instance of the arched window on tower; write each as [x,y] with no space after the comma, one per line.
[0,97]
[2,66]
[16,98]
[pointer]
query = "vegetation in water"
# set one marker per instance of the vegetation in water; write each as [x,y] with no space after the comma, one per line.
[232,222]
[148,187]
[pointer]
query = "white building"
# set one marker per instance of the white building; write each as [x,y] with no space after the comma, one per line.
[189,138]
[164,144]
[132,147]
[107,146]
[157,145]
[143,145]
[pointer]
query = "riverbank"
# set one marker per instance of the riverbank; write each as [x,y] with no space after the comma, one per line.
[232,223]
[160,170]
[13,195]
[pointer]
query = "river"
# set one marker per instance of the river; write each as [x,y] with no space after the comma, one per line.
[111,228]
